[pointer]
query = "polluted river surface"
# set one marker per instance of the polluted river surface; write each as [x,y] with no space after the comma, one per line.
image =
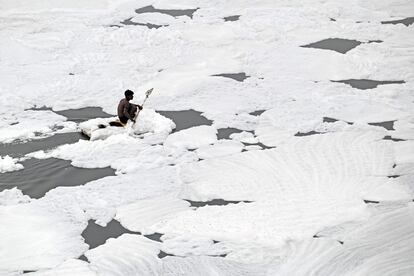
[42,175]
[281,140]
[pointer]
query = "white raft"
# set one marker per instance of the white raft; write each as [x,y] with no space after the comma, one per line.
[148,121]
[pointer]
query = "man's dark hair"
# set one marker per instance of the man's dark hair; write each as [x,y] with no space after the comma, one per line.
[128,93]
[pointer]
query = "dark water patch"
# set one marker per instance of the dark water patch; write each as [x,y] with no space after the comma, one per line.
[19,149]
[83,258]
[224,133]
[174,13]
[214,202]
[406,21]
[394,176]
[388,137]
[162,255]
[388,125]
[84,114]
[329,120]
[78,115]
[263,146]
[186,118]
[41,175]
[339,45]
[232,18]
[155,237]
[300,134]
[371,201]
[375,41]
[257,112]
[235,76]
[148,25]
[96,235]
[367,84]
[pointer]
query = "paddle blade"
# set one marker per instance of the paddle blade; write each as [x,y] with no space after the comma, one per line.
[148,92]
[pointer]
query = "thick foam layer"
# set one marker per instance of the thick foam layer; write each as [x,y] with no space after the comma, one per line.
[71,54]
[8,164]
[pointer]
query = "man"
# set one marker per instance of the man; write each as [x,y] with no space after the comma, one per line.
[127,110]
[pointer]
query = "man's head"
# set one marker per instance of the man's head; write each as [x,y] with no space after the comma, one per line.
[129,95]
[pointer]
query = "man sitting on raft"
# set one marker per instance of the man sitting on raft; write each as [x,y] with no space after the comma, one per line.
[127,110]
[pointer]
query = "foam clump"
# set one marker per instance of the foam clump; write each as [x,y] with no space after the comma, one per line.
[139,256]
[12,197]
[31,124]
[53,235]
[9,164]
[192,138]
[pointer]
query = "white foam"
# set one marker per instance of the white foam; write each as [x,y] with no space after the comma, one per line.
[9,164]
[221,148]
[43,236]
[192,138]
[142,215]
[244,137]
[65,55]
[125,255]
[186,246]
[13,196]
[101,197]
[30,124]
[404,152]
[199,266]
[69,267]
[386,239]
[287,177]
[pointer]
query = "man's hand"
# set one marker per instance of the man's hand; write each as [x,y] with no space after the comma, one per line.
[133,120]
[139,107]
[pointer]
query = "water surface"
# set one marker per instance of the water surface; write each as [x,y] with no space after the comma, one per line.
[41,175]
[339,45]
[364,84]
[172,12]
[186,118]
